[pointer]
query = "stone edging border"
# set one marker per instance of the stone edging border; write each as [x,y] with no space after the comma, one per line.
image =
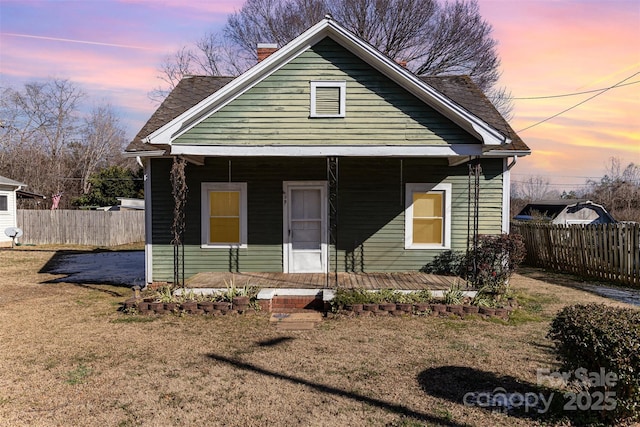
[151,306]
[430,309]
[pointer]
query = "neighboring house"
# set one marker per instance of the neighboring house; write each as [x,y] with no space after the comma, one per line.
[30,200]
[124,204]
[8,213]
[565,211]
[325,156]
[129,204]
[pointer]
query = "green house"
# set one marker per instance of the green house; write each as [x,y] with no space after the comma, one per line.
[326,156]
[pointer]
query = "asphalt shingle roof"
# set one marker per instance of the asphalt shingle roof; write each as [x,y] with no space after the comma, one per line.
[193,89]
[187,93]
[464,92]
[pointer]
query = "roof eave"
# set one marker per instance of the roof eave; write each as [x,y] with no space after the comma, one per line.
[150,153]
[506,153]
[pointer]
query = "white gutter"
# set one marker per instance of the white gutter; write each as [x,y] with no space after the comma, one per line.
[328,150]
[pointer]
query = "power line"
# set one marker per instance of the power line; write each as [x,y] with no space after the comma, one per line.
[573,93]
[559,176]
[554,184]
[580,103]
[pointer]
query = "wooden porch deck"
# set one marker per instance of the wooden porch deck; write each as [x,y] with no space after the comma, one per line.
[400,281]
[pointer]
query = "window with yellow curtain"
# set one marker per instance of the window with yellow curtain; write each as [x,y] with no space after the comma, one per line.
[428,217]
[224,214]
[224,219]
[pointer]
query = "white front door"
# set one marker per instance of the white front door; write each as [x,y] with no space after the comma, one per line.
[305,227]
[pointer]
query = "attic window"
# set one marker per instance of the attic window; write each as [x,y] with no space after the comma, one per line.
[328,98]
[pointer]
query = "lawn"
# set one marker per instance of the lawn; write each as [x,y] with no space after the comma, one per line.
[68,357]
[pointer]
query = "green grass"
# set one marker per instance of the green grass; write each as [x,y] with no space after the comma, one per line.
[78,375]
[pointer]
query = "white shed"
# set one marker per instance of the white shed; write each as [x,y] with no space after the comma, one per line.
[566,211]
[8,212]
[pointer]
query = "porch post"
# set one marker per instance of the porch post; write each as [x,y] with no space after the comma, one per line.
[473,217]
[332,178]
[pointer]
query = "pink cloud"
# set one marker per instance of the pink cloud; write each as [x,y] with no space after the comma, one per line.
[550,48]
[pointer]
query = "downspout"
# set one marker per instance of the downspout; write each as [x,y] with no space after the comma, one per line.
[15,201]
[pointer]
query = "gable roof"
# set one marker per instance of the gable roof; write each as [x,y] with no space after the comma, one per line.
[456,97]
[10,182]
[550,209]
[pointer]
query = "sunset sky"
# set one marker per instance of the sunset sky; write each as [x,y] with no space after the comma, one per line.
[112,49]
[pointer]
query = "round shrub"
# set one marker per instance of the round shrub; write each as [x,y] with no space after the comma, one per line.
[595,337]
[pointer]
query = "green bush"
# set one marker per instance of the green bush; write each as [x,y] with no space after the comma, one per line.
[488,267]
[596,336]
[494,261]
[447,263]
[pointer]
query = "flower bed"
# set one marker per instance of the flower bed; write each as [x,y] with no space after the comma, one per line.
[387,302]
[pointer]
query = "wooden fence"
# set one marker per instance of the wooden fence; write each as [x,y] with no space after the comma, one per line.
[604,251]
[75,227]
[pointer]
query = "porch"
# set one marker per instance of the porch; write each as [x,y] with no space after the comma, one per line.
[410,281]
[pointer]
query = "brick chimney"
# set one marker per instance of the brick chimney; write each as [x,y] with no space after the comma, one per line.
[265,50]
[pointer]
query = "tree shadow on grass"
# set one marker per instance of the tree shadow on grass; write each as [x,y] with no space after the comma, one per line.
[505,394]
[96,267]
[274,341]
[323,388]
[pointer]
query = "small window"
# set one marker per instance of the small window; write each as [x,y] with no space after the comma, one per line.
[224,214]
[4,203]
[428,216]
[328,98]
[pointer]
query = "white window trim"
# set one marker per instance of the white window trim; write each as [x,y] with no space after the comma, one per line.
[207,187]
[342,85]
[8,196]
[408,215]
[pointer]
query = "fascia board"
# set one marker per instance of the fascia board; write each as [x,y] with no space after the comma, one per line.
[327,150]
[506,153]
[134,154]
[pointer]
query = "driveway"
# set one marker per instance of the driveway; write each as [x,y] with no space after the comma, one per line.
[124,268]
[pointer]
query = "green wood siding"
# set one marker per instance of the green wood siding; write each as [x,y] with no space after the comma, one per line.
[370,211]
[276,110]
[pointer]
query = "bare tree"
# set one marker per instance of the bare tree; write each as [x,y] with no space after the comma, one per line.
[460,42]
[102,143]
[42,119]
[618,190]
[46,143]
[533,188]
[434,38]
[172,69]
